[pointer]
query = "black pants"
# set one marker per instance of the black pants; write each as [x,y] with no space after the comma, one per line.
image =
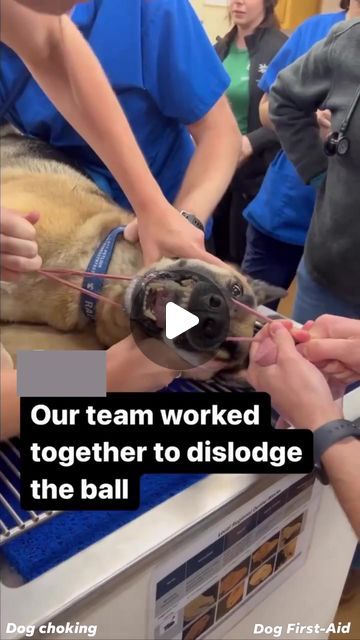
[229,230]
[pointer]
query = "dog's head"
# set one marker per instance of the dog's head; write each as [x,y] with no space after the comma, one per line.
[208,292]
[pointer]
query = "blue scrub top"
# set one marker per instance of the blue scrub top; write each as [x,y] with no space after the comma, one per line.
[163,69]
[284,205]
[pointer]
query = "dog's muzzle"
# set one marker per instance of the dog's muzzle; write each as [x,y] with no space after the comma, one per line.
[193,292]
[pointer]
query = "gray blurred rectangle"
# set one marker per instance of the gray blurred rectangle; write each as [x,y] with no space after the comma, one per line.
[59,374]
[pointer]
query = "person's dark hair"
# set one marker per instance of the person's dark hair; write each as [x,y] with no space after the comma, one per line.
[270,18]
[345,4]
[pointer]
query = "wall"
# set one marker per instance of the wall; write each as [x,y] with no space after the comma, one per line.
[329,6]
[214,18]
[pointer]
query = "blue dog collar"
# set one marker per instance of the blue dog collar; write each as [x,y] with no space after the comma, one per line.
[99,263]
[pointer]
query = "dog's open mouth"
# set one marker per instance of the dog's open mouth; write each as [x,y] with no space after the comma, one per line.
[155,290]
[158,294]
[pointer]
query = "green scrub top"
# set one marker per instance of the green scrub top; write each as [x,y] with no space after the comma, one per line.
[237,65]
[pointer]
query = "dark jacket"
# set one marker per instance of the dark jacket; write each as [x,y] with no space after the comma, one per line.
[263,45]
[327,77]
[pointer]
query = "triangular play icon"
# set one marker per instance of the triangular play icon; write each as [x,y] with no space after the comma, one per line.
[178,320]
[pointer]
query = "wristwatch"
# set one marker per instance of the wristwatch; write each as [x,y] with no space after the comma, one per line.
[328,435]
[193,220]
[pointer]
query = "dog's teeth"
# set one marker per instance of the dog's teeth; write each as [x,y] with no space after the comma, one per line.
[170,286]
[186,298]
[149,314]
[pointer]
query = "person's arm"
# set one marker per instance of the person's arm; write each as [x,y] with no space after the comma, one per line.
[264,137]
[323,117]
[218,148]
[127,370]
[299,91]
[341,462]
[188,84]
[301,395]
[62,62]
[264,112]
[10,405]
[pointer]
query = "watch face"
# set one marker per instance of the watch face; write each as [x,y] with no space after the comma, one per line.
[193,220]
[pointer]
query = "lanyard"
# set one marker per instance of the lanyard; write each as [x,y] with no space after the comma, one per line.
[99,264]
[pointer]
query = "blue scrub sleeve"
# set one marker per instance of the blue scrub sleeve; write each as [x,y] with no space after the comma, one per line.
[300,42]
[183,73]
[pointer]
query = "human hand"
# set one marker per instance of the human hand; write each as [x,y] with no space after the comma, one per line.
[298,390]
[207,371]
[168,235]
[18,248]
[334,347]
[129,370]
[246,151]
[324,122]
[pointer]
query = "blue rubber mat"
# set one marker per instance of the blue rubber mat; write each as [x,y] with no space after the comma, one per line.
[44,547]
[38,550]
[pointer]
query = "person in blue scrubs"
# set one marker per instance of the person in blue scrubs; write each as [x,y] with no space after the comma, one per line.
[61,70]
[171,85]
[279,216]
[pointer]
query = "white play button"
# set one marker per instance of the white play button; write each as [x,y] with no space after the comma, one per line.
[178,320]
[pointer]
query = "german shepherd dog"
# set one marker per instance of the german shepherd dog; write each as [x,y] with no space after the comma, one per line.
[76,216]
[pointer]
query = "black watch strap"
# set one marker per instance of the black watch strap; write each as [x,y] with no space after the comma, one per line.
[193,220]
[328,435]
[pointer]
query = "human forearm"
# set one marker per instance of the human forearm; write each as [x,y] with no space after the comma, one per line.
[262,139]
[129,370]
[341,462]
[264,112]
[10,405]
[218,148]
[62,62]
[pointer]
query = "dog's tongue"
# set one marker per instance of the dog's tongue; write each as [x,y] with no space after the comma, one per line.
[162,298]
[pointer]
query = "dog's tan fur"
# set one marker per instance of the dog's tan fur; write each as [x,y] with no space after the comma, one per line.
[75,217]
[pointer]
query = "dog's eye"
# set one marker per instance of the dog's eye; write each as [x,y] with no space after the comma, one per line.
[236,291]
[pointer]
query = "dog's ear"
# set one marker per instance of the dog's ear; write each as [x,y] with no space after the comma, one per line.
[265,292]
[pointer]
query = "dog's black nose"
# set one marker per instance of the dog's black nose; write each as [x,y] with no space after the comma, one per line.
[215,301]
[211,307]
